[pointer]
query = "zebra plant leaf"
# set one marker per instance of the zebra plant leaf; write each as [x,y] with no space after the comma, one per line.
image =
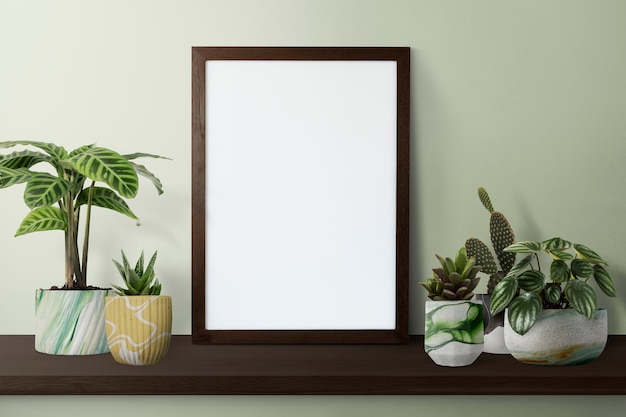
[143,171]
[582,297]
[109,167]
[43,219]
[56,152]
[106,198]
[45,190]
[523,312]
[23,159]
[10,176]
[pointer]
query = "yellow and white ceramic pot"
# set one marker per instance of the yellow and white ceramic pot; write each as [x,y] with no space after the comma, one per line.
[138,328]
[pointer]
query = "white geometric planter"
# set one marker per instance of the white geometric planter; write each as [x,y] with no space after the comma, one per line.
[559,337]
[70,322]
[453,331]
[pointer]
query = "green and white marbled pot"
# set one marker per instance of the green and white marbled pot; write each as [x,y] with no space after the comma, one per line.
[70,322]
[453,331]
[559,337]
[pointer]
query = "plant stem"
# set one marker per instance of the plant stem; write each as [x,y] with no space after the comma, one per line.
[86,236]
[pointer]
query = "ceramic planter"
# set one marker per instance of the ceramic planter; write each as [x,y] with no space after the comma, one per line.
[70,322]
[139,328]
[453,332]
[559,337]
[494,328]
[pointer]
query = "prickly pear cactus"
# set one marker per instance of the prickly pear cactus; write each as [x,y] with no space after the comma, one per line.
[502,236]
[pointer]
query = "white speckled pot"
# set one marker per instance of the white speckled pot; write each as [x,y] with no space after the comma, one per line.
[453,332]
[559,337]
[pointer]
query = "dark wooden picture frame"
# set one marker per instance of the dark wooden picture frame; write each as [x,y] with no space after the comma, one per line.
[396,262]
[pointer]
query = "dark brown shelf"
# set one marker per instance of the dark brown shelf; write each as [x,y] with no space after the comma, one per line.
[300,369]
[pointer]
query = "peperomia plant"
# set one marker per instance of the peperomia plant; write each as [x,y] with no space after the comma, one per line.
[526,290]
[56,200]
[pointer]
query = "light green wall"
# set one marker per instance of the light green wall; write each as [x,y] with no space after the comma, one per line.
[524,97]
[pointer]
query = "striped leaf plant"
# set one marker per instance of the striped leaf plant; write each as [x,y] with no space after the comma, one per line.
[526,290]
[82,178]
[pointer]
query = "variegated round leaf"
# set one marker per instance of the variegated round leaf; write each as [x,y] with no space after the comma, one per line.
[582,297]
[523,312]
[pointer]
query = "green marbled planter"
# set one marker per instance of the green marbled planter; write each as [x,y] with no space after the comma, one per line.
[453,332]
[70,322]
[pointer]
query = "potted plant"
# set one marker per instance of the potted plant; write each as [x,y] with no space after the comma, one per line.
[453,330]
[138,319]
[554,320]
[502,236]
[68,321]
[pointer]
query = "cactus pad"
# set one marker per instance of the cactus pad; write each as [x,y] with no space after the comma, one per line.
[476,248]
[484,198]
[502,236]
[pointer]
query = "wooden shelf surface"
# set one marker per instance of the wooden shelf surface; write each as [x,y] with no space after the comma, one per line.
[192,369]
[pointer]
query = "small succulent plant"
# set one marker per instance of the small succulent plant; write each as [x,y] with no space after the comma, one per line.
[455,280]
[139,281]
[502,236]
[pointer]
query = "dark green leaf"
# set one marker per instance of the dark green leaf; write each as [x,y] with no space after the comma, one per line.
[553,293]
[563,256]
[502,294]
[531,281]
[523,312]
[557,244]
[522,264]
[581,268]
[588,255]
[582,297]
[559,271]
[525,247]
[105,198]
[604,281]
